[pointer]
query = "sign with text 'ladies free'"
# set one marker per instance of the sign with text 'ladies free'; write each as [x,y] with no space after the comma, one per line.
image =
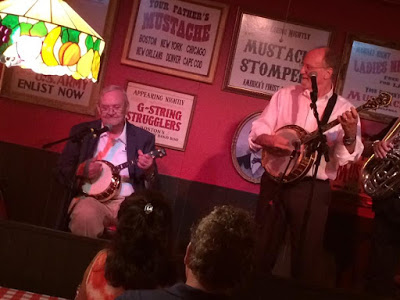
[372,69]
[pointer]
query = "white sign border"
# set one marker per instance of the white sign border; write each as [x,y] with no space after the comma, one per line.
[161,92]
[345,80]
[231,73]
[209,77]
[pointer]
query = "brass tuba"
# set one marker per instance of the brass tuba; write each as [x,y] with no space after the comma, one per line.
[381,177]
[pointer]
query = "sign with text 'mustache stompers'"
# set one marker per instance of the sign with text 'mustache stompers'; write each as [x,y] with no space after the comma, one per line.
[165,113]
[176,37]
[268,54]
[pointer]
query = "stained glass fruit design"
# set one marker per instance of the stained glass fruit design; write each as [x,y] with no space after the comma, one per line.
[56,50]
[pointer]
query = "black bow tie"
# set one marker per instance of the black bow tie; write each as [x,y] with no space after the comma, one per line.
[256,160]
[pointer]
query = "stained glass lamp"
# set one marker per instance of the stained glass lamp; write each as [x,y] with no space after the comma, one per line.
[50,38]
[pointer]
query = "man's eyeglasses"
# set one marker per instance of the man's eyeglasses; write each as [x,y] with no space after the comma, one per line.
[309,68]
[108,108]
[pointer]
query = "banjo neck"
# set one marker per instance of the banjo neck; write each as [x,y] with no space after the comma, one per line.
[125,165]
[154,154]
[313,135]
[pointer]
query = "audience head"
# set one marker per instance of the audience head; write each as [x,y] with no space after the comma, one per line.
[139,252]
[221,249]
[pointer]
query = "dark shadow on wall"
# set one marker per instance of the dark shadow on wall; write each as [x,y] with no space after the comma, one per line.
[31,193]
[192,200]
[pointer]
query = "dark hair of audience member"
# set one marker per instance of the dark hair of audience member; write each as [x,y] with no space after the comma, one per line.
[139,253]
[222,249]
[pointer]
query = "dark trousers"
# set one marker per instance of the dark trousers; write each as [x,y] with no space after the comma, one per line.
[279,210]
[385,252]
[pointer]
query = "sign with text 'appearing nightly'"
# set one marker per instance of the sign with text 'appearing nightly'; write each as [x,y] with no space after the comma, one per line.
[165,113]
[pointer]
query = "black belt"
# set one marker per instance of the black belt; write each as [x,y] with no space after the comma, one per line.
[309,178]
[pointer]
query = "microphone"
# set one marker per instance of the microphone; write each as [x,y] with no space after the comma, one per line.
[106,128]
[313,77]
[94,132]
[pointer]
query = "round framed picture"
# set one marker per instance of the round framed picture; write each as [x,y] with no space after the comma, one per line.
[247,163]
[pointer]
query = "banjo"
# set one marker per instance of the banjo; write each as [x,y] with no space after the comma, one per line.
[108,183]
[294,166]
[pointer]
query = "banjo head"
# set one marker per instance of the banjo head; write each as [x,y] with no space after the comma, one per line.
[275,164]
[104,186]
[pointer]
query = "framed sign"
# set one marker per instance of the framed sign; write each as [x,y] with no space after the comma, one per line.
[368,68]
[246,162]
[268,54]
[64,92]
[165,113]
[180,38]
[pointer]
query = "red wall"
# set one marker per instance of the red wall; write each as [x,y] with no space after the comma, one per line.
[217,113]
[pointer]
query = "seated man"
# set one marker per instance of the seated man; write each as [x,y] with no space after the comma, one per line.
[218,258]
[122,142]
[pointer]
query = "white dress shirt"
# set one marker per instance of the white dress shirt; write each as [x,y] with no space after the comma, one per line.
[291,106]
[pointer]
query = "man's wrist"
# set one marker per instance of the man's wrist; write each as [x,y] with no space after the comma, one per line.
[150,174]
[347,141]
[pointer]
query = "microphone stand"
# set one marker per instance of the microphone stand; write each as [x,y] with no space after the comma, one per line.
[280,182]
[319,145]
[280,205]
[76,138]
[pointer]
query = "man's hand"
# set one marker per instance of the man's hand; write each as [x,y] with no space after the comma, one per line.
[349,120]
[94,170]
[145,161]
[89,169]
[381,148]
[275,144]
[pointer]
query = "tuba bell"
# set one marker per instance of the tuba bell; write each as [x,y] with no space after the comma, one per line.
[381,177]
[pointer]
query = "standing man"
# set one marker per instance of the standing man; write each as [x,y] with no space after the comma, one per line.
[122,142]
[285,207]
[385,254]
